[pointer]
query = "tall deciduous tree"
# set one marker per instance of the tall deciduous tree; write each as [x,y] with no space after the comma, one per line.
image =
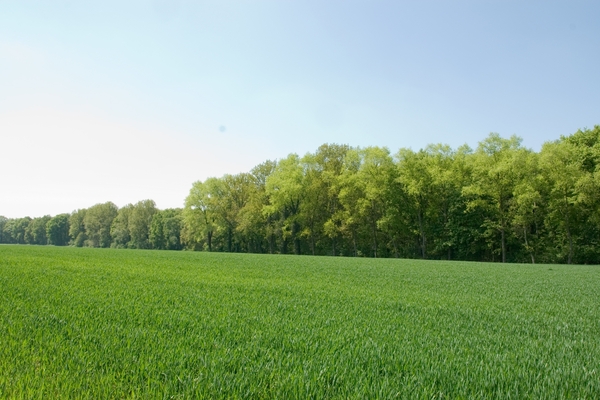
[77,227]
[257,226]
[199,223]
[562,170]
[57,230]
[36,231]
[322,203]
[15,230]
[165,230]
[496,169]
[97,221]
[285,188]
[119,230]
[416,177]
[3,236]
[140,220]
[347,219]
[374,175]
[529,205]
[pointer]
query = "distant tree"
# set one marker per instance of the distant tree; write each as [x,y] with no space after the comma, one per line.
[3,236]
[57,230]
[257,226]
[199,223]
[446,166]
[418,181]
[347,220]
[285,189]
[564,170]
[587,144]
[97,221]
[77,227]
[322,191]
[226,197]
[172,225]
[140,220]
[497,165]
[529,206]
[18,230]
[36,231]
[315,211]
[157,235]
[374,176]
[119,230]
[165,229]
[462,227]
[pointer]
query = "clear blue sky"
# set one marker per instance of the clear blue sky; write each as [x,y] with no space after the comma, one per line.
[128,100]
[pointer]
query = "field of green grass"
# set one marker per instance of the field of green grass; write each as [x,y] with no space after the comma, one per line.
[103,323]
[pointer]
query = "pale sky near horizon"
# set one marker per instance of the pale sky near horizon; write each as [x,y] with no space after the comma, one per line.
[128,100]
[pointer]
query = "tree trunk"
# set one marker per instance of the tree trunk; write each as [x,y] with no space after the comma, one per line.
[229,240]
[503,244]
[502,226]
[295,238]
[527,244]
[422,232]
[570,245]
[312,236]
[570,259]
[374,227]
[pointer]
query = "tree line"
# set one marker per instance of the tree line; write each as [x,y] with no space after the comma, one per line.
[499,202]
[134,226]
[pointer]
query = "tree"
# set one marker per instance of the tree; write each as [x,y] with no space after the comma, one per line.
[3,236]
[322,172]
[97,221]
[446,168]
[376,174]
[587,149]
[256,225]
[36,231]
[119,229]
[562,170]
[165,229]
[198,215]
[347,219]
[230,194]
[528,206]
[496,169]
[418,182]
[57,230]
[77,227]
[285,188]
[140,220]
[17,229]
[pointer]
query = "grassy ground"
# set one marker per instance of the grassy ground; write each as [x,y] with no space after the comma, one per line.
[101,323]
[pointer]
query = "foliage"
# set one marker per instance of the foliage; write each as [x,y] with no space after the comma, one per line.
[119,229]
[501,202]
[57,230]
[77,227]
[165,229]
[139,224]
[97,222]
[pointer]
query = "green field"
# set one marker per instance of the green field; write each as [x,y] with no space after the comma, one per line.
[102,323]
